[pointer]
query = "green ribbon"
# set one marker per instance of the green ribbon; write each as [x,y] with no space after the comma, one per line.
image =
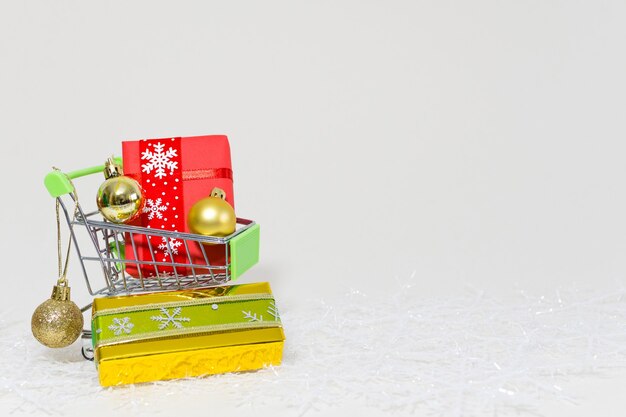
[198,316]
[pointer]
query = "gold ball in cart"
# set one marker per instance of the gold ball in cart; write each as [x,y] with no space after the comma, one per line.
[112,247]
[119,198]
[212,216]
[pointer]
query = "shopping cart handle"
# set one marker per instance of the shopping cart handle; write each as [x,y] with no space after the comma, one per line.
[58,183]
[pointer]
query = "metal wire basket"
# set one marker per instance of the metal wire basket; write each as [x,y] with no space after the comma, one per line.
[111,248]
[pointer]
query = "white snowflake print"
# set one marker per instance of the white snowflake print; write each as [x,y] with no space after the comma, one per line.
[154,208]
[159,161]
[162,275]
[168,318]
[120,326]
[174,245]
[273,311]
[248,315]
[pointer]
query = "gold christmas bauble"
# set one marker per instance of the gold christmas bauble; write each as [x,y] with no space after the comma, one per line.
[57,322]
[120,198]
[212,216]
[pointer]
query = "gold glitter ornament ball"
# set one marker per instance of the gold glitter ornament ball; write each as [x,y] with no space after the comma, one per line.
[120,198]
[212,216]
[57,322]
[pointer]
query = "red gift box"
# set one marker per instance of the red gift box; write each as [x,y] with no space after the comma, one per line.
[174,174]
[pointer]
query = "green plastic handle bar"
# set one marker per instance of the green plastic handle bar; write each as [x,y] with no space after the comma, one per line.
[58,183]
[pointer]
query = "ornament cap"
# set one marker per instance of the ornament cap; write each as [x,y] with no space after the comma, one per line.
[112,169]
[219,193]
[61,292]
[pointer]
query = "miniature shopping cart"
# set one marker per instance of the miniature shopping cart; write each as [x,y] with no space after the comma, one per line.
[110,248]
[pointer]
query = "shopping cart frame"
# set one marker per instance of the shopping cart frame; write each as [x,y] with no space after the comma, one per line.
[110,244]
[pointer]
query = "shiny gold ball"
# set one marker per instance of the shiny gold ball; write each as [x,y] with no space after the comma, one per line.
[57,323]
[212,216]
[120,199]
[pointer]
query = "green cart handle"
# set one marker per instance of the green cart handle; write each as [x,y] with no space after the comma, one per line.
[59,183]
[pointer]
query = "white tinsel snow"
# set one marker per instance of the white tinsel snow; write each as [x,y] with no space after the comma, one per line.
[464,355]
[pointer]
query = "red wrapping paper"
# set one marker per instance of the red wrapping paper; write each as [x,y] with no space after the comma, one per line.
[174,174]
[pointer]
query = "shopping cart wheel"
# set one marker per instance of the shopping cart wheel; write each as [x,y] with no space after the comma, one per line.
[87,352]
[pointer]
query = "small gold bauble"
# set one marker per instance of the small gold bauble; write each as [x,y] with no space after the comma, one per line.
[212,216]
[120,198]
[57,322]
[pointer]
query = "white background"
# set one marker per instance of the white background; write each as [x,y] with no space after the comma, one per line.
[476,143]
